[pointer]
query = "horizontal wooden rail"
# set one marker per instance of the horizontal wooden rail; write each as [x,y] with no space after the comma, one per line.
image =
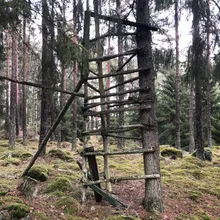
[118,73]
[123,21]
[118,179]
[135,151]
[109,57]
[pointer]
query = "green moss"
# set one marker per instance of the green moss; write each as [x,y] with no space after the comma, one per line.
[18,210]
[121,217]
[195,195]
[69,205]
[3,189]
[193,161]
[59,184]
[38,172]
[11,161]
[39,216]
[170,151]
[60,154]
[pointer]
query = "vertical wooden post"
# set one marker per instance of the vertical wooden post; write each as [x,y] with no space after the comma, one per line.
[94,171]
[86,72]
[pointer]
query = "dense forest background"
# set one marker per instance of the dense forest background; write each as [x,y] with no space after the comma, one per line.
[41,43]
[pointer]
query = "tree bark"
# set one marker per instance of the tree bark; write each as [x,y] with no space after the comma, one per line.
[153,193]
[209,124]
[197,50]
[120,78]
[24,92]
[191,119]
[13,89]
[177,129]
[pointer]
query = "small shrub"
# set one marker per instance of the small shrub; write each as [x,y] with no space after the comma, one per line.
[38,172]
[59,184]
[18,210]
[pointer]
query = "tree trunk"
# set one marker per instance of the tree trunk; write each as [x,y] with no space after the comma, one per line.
[46,96]
[24,92]
[13,95]
[7,86]
[197,50]
[120,78]
[177,129]
[191,119]
[153,193]
[209,125]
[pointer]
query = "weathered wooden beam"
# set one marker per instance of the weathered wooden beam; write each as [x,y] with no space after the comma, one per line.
[119,179]
[93,72]
[134,151]
[112,35]
[115,94]
[120,136]
[123,83]
[94,113]
[93,87]
[125,22]
[118,73]
[40,86]
[93,170]
[109,57]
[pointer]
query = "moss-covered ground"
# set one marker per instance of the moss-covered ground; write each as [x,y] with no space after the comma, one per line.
[191,188]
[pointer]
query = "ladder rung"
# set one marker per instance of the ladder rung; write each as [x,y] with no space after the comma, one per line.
[136,151]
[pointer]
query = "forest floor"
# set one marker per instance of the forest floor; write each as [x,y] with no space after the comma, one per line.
[191,188]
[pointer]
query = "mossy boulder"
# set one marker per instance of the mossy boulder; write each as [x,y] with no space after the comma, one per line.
[58,153]
[11,161]
[167,151]
[193,161]
[18,210]
[69,205]
[59,184]
[38,172]
[207,154]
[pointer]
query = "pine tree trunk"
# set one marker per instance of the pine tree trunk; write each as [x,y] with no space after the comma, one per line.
[197,53]
[177,129]
[13,89]
[120,78]
[209,125]
[153,193]
[24,92]
[7,86]
[191,120]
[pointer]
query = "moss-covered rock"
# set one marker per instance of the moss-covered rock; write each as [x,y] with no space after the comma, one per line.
[58,153]
[38,172]
[3,189]
[69,205]
[18,210]
[207,154]
[11,161]
[167,151]
[193,161]
[59,184]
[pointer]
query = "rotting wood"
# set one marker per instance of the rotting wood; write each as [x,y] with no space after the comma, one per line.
[135,151]
[125,82]
[28,187]
[125,22]
[119,179]
[40,86]
[109,57]
[93,170]
[117,74]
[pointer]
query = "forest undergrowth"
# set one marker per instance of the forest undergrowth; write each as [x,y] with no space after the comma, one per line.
[191,188]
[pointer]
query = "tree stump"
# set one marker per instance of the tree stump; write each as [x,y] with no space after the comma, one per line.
[28,187]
